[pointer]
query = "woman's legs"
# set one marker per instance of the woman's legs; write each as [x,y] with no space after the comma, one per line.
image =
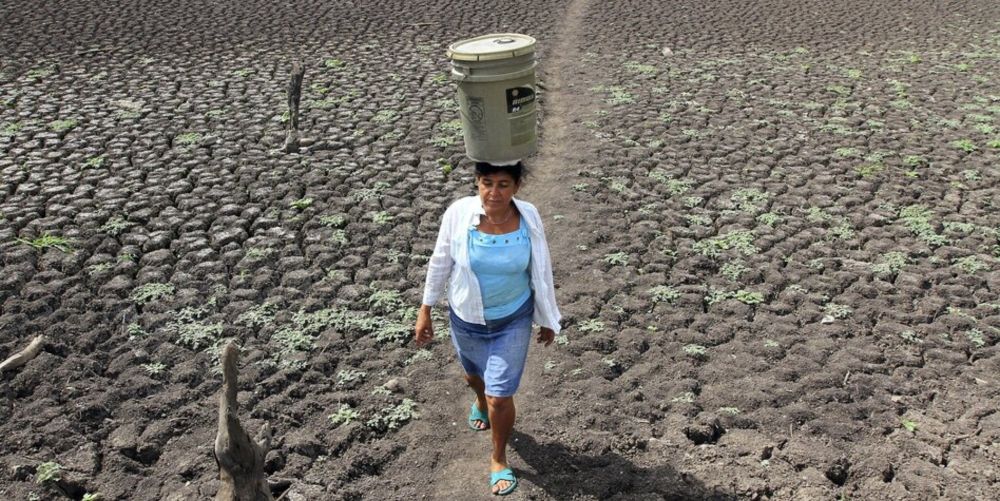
[502,414]
[478,386]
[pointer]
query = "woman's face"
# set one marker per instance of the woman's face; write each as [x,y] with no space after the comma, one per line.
[496,190]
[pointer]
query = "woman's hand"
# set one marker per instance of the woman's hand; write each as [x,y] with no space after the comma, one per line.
[423,332]
[546,335]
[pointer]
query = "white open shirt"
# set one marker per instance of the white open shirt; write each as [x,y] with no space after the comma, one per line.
[450,264]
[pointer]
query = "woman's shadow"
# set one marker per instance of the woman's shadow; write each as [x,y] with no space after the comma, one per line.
[563,474]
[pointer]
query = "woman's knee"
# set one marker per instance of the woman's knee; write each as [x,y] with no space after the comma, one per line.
[499,403]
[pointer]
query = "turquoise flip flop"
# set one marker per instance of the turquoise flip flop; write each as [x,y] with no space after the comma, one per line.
[504,474]
[477,415]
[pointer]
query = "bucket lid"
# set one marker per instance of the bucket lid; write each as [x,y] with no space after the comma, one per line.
[492,47]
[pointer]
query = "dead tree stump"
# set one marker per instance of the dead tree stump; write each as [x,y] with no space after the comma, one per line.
[24,356]
[294,96]
[240,459]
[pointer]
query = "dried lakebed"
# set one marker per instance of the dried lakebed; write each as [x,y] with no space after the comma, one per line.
[775,229]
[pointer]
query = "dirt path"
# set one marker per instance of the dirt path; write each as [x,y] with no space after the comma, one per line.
[463,477]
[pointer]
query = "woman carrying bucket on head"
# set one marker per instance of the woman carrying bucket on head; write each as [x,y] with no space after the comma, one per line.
[492,255]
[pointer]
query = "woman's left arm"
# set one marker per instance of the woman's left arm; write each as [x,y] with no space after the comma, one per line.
[548,312]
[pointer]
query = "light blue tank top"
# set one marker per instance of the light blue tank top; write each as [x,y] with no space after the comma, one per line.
[500,263]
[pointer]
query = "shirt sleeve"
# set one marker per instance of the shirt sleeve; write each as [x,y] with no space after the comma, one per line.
[547,315]
[441,262]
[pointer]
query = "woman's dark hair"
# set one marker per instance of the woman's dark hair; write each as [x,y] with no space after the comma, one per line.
[517,171]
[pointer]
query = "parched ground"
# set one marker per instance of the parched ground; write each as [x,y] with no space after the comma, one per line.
[775,230]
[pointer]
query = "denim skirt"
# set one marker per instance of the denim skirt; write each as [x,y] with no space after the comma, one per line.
[495,352]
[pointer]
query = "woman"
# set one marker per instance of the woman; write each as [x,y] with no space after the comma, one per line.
[492,255]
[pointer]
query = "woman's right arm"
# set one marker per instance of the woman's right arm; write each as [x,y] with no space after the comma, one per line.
[438,272]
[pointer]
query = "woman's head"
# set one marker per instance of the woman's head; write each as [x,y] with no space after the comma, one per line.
[497,184]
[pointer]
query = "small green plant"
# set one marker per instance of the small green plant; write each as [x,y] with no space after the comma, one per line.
[911,337]
[48,472]
[192,330]
[301,204]
[847,152]
[918,219]
[869,170]
[154,368]
[439,79]
[684,398]
[419,356]
[970,264]
[591,325]
[116,225]
[188,139]
[695,351]
[446,167]
[965,145]
[385,116]
[842,231]
[890,264]
[385,300]
[339,237]
[664,294]
[769,218]
[94,162]
[911,426]
[749,200]
[344,415]
[616,258]
[837,311]
[394,417]
[258,315]
[150,292]
[732,411]
[10,129]
[734,269]
[738,240]
[47,241]
[643,69]
[349,376]
[135,331]
[382,218]
[618,96]
[976,337]
[62,125]
[334,63]
[333,220]
[748,297]
[96,496]
[442,141]
[994,143]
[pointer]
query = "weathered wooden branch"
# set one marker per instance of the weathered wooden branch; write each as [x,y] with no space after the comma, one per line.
[294,96]
[240,459]
[24,356]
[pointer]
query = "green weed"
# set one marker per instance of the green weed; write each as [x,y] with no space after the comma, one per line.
[153,291]
[344,415]
[334,63]
[739,240]
[394,417]
[301,204]
[616,258]
[965,145]
[591,325]
[891,264]
[258,315]
[695,351]
[664,294]
[48,472]
[643,69]
[62,125]
[970,264]
[188,139]
[918,219]
[733,270]
[47,241]
[382,218]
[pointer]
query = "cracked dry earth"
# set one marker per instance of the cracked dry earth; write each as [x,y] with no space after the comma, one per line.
[775,230]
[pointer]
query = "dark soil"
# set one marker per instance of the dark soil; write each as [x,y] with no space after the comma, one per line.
[774,224]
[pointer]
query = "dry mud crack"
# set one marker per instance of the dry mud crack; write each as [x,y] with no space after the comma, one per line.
[774,226]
